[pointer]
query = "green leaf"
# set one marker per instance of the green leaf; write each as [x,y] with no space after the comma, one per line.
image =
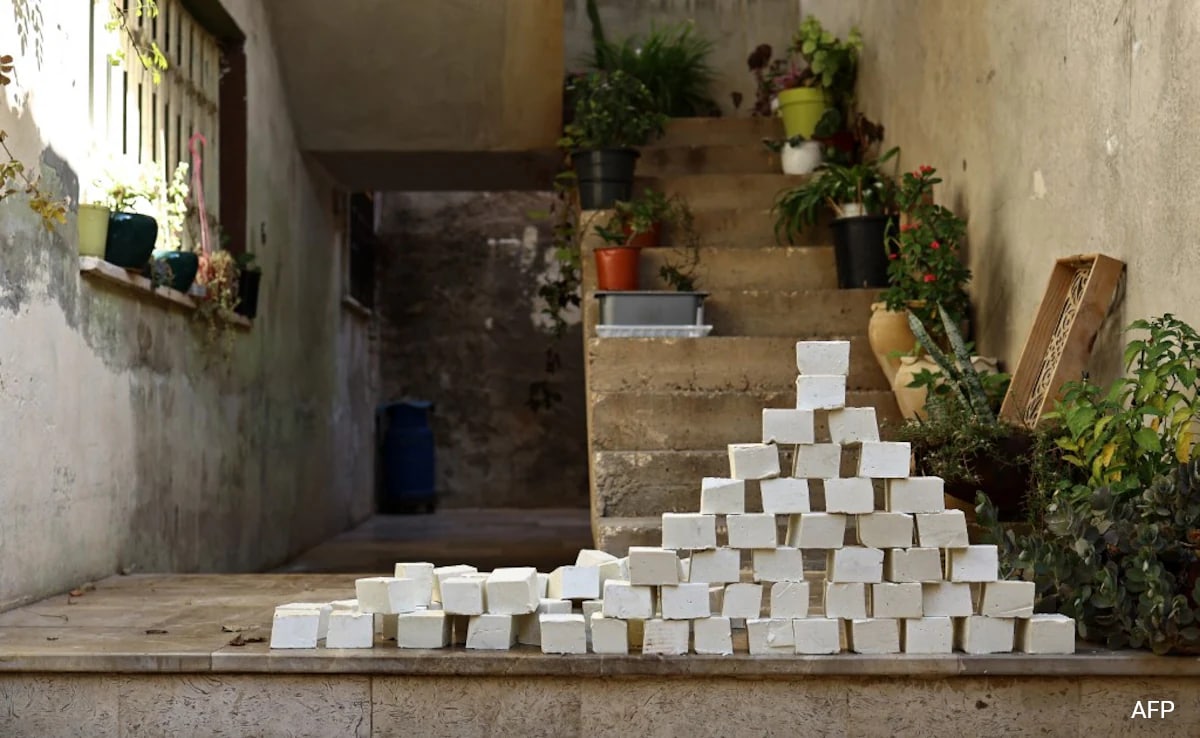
[1148,441]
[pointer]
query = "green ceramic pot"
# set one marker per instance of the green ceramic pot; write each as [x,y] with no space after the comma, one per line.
[183,267]
[131,239]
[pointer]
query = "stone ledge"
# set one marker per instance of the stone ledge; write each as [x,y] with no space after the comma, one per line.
[102,271]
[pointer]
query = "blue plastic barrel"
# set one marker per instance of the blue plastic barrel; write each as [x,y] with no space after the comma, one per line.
[408,458]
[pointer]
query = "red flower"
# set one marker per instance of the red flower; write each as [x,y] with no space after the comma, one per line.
[930,278]
[925,169]
[907,227]
[935,245]
[893,256]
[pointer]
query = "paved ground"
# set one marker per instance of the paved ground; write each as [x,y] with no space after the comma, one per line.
[483,538]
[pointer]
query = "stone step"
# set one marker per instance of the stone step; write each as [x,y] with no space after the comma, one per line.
[718,131]
[749,228]
[725,158]
[645,421]
[792,313]
[770,268]
[723,190]
[713,364]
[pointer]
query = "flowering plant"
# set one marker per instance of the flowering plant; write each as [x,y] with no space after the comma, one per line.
[925,269]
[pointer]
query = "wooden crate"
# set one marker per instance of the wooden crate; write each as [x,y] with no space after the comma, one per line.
[1076,301]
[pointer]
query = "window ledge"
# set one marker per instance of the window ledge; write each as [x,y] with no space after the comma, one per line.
[101,270]
[357,307]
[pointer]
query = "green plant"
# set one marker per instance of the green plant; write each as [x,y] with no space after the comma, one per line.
[979,394]
[149,54]
[926,268]
[832,186]
[144,189]
[671,62]
[832,64]
[14,175]
[612,111]
[247,263]
[775,145]
[160,273]
[218,275]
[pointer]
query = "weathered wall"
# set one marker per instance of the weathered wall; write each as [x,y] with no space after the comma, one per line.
[1060,128]
[461,326]
[736,27]
[123,443]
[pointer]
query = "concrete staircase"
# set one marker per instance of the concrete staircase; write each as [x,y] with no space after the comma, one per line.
[661,411]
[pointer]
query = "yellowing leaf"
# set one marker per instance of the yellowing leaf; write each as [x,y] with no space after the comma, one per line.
[1183,447]
[1106,453]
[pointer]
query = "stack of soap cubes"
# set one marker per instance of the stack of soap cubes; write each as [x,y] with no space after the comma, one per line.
[896,571]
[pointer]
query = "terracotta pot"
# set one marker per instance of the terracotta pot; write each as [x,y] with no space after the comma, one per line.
[617,268]
[888,332]
[649,239]
[911,400]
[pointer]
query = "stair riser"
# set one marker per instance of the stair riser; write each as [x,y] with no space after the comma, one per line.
[719,131]
[799,313]
[810,268]
[750,228]
[717,159]
[723,190]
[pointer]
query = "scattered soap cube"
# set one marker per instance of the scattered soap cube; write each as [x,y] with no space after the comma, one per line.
[716,598]
[851,425]
[445,572]
[689,531]
[973,564]
[787,426]
[912,565]
[422,572]
[344,604]
[784,496]
[609,635]
[929,635]
[628,602]
[325,609]
[946,599]
[915,495]
[884,460]
[829,358]
[1007,599]
[874,635]
[491,632]
[712,635]
[653,566]
[718,566]
[816,636]
[684,601]
[666,637]
[722,496]
[753,461]
[896,600]
[752,530]
[389,595]
[817,461]
[816,530]
[976,634]
[742,600]
[845,600]
[885,530]
[543,585]
[946,529]
[529,628]
[853,495]
[563,633]
[789,600]
[464,595]
[855,564]
[349,629]
[770,636]
[781,564]
[618,569]
[296,627]
[590,607]
[1046,633]
[574,583]
[512,591]
[820,392]
[592,557]
[423,629]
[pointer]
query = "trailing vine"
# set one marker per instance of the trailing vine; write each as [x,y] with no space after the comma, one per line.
[149,54]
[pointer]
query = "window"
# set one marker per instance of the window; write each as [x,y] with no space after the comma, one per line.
[362,246]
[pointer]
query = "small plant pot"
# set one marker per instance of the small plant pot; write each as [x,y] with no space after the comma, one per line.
[911,400]
[248,283]
[889,335]
[131,239]
[802,108]
[1005,477]
[649,239]
[93,229]
[617,269]
[184,265]
[861,251]
[604,176]
[802,159]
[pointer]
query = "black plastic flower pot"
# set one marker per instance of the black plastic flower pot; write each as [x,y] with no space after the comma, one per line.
[131,238]
[248,283]
[861,250]
[604,176]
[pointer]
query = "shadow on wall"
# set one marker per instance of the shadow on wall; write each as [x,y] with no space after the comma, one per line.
[460,326]
[29,22]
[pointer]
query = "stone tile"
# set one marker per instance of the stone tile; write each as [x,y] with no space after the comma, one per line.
[458,707]
[234,705]
[716,708]
[67,648]
[1106,706]
[62,705]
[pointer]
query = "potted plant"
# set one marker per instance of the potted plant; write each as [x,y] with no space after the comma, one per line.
[614,114]
[173,206]
[618,260]
[925,271]
[797,155]
[249,279]
[132,231]
[92,222]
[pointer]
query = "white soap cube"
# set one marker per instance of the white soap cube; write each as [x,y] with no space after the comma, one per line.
[1007,599]
[719,566]
[976,634]
[617,569]
[816,530]
[574,583]
[915,495]
[666,637]
[529,629]
[820,392]
[896,600]
[789,600]
[816,636]
[609,635]
[946,599]
[592,557]
[491,632]
[627,602]
[712,635]
[543,585]
[445,572]
[684,601]
[563,633]
[591,607]
[389,595]
[874,635]
[423,629]
[855,564]
[752,530]
[1046,633]
[784,496]
[781,564]
[513,591]
[946,529]
[716,598]
[770,636]
[929,635]
[829,358]
[722,496]
[422,572]
[742,600]
[325,608]
[295,627]
[852,425]
[753,461]
[689,531]
[884,460]
[817,461]
[885,530]
[787,426]
[653,566]
[912,565]
[973,564]
[845,600]
[464,595]
[853,495]
[344,605]
[349,629]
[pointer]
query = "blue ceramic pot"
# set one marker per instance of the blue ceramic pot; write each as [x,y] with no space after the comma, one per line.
[184,265]
[131,239]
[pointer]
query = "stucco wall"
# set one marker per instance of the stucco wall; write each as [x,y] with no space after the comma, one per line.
[123,442]
[461,326]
